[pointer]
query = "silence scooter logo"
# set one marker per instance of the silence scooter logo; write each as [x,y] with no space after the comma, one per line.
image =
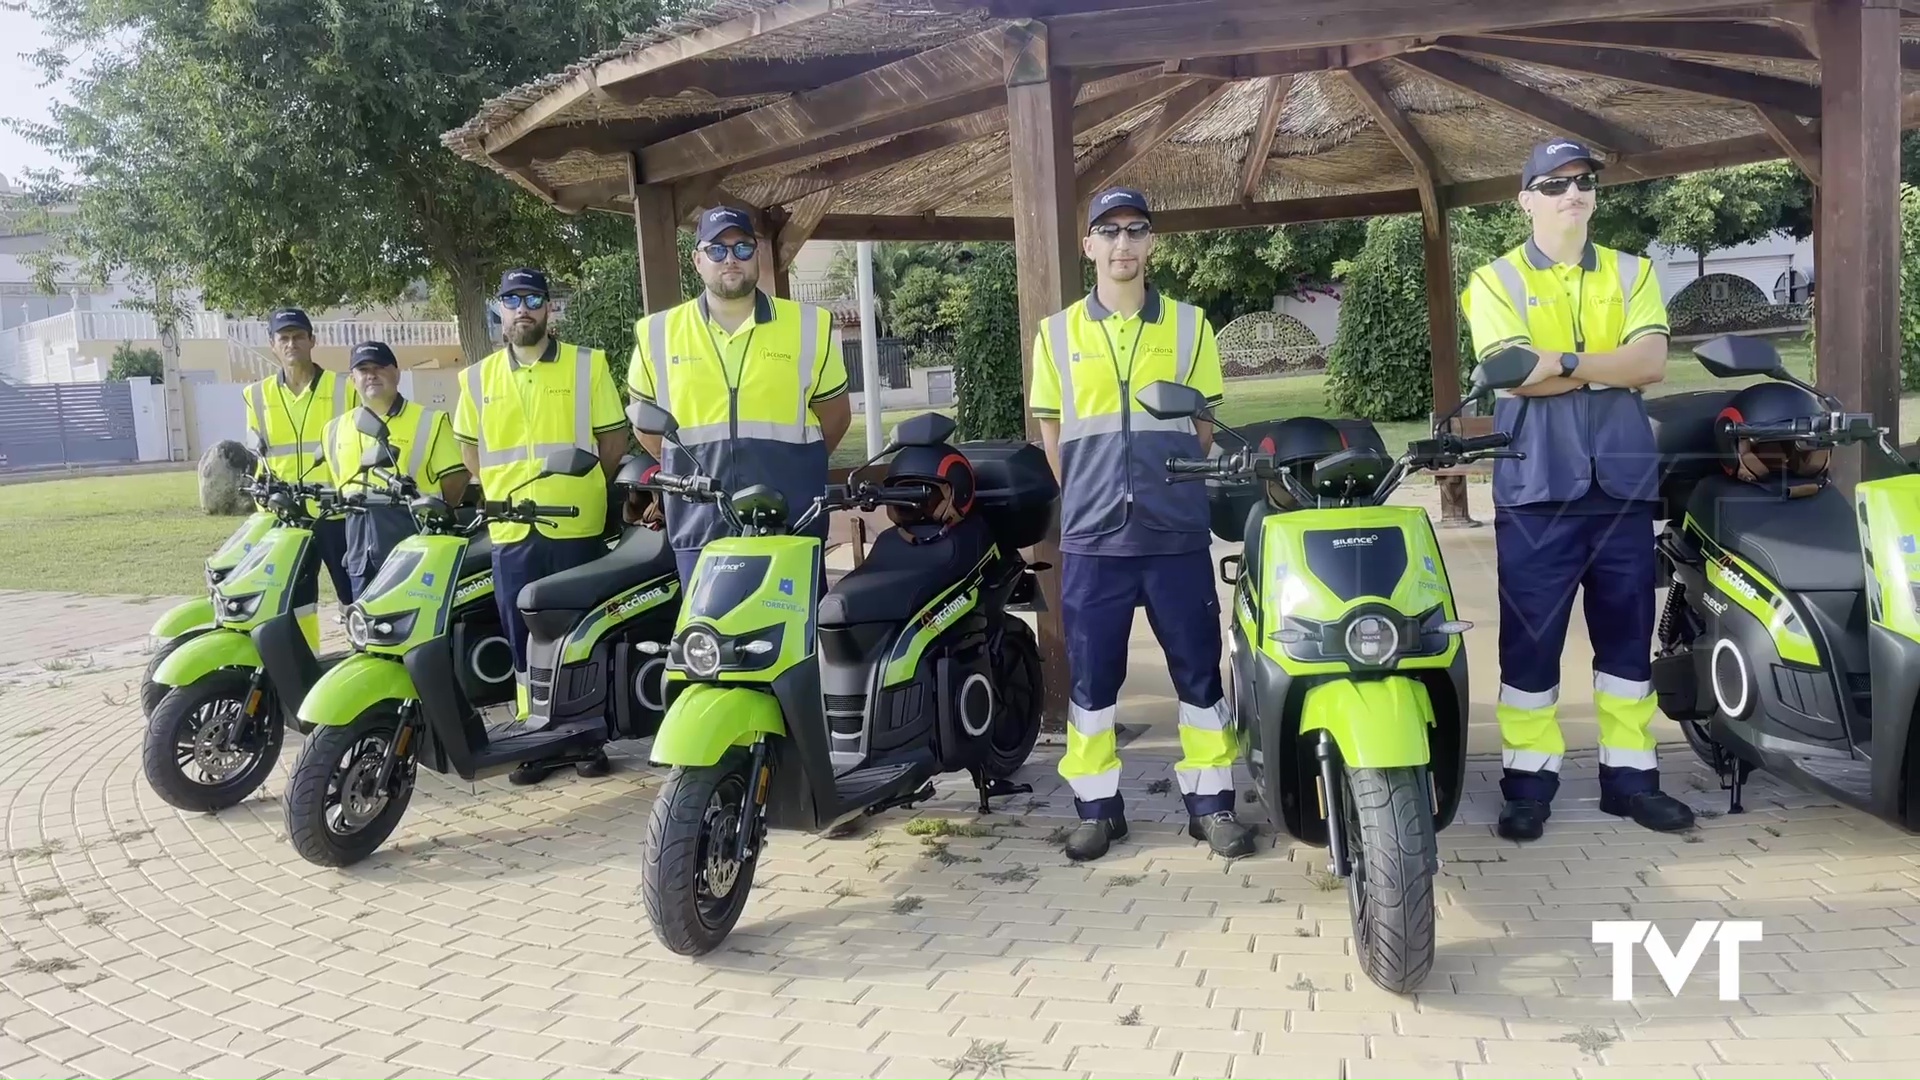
[1365,540]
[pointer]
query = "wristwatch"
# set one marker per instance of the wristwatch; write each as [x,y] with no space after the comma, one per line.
[1569,362]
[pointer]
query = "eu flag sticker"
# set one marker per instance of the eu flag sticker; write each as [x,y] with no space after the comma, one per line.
[426,578]
[1428,559]
[1906,544]
[269,569]
[786,586]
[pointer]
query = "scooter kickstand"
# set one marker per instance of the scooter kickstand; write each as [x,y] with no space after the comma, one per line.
[995,789]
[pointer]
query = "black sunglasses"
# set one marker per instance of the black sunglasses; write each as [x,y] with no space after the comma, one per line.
[742,250]
[1557,186]
[1134,229]
[512,301]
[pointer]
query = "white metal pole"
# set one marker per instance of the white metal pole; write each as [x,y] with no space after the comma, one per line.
[870,351]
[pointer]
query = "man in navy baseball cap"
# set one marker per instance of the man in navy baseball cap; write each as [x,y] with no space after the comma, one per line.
[715,222]
[289,318]
[1554,155]
[1117,199]
[523,280]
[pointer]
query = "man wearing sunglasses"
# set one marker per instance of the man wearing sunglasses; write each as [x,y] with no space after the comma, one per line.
[535,396]
[757,385]
[1128,538]
[1577,511]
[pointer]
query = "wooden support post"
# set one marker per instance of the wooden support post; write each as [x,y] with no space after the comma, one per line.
[1858,247]
[1040,140]
[654,227]
[776,281]
[1443,343]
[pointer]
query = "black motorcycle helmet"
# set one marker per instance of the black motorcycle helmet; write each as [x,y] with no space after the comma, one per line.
[1796,468]
[1297,443]
[639,503]
[946,476]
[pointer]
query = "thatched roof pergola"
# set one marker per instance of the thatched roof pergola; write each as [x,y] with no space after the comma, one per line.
[997,119]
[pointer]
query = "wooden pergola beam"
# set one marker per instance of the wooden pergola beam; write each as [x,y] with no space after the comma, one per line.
[924,80]
[799,226]
[1260,144]
[1800,142]
[1543,109]
[720,79]
[1228,27]
[1625,65]
[666,54]
[1701,37]
[1372,94]
[1183,104]
[1260,65]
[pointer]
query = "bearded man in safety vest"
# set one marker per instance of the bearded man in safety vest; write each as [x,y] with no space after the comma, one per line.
[1129,539]
[757,385]
[290,411]
[1577,511]
[424,450]
[517,406]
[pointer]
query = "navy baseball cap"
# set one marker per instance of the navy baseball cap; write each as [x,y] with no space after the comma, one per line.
[523,279]
[1115,199]
[1550,155]
[374,352]
[719,220]
[289,317]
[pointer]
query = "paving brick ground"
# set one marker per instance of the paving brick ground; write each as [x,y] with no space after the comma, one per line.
[500,935]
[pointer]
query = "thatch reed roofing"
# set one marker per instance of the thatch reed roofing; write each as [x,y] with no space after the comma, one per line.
[1327,142]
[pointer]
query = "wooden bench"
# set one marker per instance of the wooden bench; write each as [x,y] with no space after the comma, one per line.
[1453,482]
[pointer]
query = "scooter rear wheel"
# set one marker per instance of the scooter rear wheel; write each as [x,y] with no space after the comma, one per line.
[190,759]
[694,890]
[1017,681]
[1391,845]
[335,814]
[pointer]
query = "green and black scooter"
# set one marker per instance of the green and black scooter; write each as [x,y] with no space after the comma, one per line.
[216,733]
[1348,688]
[799,711]
[191,618]
[399,701]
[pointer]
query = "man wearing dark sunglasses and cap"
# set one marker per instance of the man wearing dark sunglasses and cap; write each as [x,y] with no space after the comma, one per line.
[1577,511]
[535,396]
[757,385]
[1128,539]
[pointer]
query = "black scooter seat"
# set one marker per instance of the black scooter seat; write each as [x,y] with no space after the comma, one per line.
[642,555]
[898,579]
[1801,545]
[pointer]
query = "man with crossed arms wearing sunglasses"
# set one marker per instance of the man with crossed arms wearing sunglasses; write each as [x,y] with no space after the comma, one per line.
[757,386]
[1577,511]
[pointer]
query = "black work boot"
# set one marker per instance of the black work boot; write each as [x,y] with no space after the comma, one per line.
[1654,810]
[1523,819]
[1090,838]
[1222,832]
[529,772]
[594,766]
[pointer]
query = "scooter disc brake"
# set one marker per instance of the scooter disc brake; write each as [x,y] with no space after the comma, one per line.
[216,762]
[721,872]
[360,803]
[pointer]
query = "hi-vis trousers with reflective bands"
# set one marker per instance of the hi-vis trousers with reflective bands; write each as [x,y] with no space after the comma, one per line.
[1543,559]
[1098,596]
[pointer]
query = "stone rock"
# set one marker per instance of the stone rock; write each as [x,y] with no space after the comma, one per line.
[223,468]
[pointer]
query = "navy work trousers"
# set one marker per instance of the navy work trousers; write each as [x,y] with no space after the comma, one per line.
[518,564]
[1610,559]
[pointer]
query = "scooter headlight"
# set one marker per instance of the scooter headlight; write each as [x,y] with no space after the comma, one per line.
[227,609]
[357,627]
[1372,640]
[387,629]
[700,652]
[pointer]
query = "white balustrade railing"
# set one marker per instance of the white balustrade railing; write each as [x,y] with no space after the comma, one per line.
[348,333]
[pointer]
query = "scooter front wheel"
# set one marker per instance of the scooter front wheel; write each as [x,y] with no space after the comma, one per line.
[338,812]
[202,752]
[1391,844]
[694,886]
[151,692]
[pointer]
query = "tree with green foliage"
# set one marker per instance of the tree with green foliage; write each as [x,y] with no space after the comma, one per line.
[1723,208]
[984,312]
[274,152]
[1233,272]
[604,303]
[131,363]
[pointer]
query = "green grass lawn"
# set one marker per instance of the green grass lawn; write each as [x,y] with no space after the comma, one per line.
[145,534]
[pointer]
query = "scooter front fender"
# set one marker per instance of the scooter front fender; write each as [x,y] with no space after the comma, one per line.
[353,686]
[1377,723]
[205,654]
[706,719]
[190,615]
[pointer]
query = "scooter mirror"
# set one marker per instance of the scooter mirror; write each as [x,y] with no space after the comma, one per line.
[650,419]
[255,444]
[1170,400]
[1504,370]
[572,461]
[366,423]
[1734,356]
[927,429]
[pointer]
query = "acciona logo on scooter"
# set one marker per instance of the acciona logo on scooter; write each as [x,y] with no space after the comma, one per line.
[1736,581]
[939,619]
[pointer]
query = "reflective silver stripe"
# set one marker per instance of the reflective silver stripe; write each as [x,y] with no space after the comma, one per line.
[1058,345]
[1202,718]
[1528,699]
[765,430]
[1631,689]
[1515,285]
[582,398]
[1098,786]
[474,388]
[1091,722]
[1616,758]
[422,435]
[1072,429]
[702,434]
[1629,276]
[339,393]
[257,397]
[657,356]
[307,448]
[1207,781]
[809,358]
[1146,421]
[1530,761]
[1186,327]
[327,435]
[490,458]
